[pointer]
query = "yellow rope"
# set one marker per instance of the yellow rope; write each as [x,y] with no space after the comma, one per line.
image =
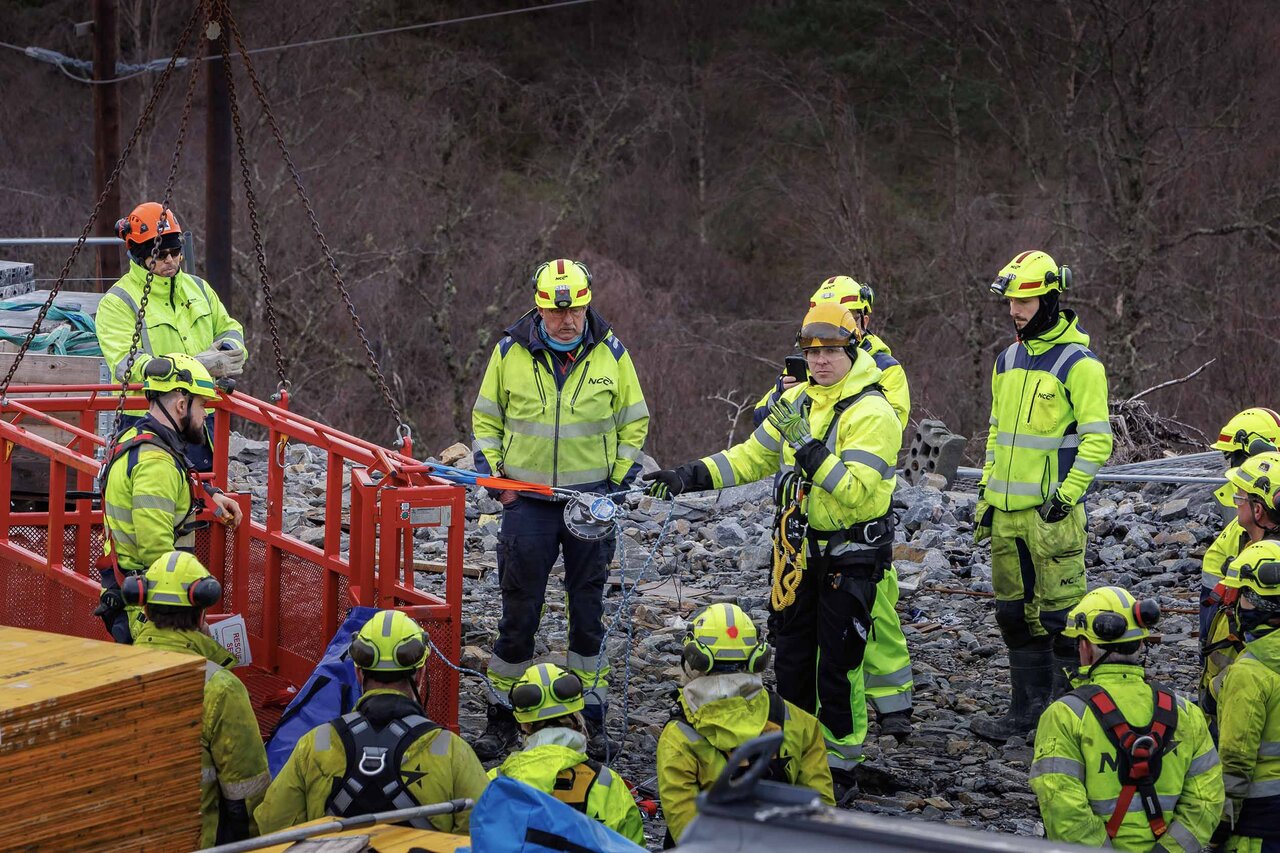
[788,563]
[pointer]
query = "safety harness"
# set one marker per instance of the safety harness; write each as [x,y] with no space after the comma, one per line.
[573,784]
[774,723]
[372,782]
[1139,751]
[791,524]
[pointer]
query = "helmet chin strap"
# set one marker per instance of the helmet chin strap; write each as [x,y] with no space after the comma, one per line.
[180,429]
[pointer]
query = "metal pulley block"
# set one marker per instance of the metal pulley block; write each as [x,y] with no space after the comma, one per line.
[590,517]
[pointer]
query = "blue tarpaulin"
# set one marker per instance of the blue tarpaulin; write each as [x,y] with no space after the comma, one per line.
[513,817]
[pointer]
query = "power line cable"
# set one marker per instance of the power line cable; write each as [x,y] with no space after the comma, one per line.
[63,62]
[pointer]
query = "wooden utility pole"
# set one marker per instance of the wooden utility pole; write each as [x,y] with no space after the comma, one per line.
[106,133]
[217,174]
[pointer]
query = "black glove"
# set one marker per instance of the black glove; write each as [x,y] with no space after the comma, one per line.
[810,456]
[1054,510]
[669,482]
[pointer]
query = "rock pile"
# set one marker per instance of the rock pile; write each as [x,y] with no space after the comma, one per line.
[675,558]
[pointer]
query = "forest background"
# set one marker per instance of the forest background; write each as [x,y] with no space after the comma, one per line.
[712,161]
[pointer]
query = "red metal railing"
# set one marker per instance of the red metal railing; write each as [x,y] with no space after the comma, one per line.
[293,595]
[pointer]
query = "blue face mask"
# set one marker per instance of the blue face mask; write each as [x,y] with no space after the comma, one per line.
[559,346]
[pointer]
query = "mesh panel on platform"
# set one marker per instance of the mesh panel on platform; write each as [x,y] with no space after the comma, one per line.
[301,588]
[29,599]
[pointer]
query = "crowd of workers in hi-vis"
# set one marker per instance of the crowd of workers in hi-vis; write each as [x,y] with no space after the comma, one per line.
[1119,760]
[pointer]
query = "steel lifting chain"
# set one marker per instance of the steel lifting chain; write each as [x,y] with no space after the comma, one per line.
[251,201]
[97,208]
[402,428]
[139,323]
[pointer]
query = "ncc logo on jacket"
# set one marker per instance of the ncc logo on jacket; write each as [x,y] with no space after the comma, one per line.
[600,380]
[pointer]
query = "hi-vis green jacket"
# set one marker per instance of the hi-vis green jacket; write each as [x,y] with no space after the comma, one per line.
[233,762]
[1050,427]
[1249,738]
[554,756]
[1075,779]
[855,482]
[1224,549]
[145,499]
[583,429]
[693,751]
[893,379]
[183,314]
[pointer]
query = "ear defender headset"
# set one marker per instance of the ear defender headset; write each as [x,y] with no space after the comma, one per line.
[530,695]
[1062,277]
[700,658]
[409,654]
[1109,626]
[201,594]
[563,296]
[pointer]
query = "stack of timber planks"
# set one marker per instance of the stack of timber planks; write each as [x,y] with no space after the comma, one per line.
[99,744]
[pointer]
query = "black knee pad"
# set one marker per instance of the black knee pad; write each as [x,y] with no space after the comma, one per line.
[1012,621]
[1055,621]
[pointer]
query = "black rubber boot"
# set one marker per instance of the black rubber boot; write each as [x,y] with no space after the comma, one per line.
[1063,669]
[501,735]
[599,747]
[1031,681]
[897,724]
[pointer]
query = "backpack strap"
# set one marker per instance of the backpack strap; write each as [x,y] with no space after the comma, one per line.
[573,784]
[1139,751]
[845,404]
[372,781]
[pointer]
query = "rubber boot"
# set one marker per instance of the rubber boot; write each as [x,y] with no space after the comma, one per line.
[501,735]
[898,724]
[599,747]
[1063,669]
[1031,680]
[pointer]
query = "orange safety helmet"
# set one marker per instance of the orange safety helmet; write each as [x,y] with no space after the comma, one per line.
[147,221]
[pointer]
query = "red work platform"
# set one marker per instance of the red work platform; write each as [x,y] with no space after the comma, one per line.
[292,595]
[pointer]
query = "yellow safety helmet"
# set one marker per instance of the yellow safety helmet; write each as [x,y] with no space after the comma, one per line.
[844,291]
[723,637]
[1256,567]
[1110,615]
[545,692]
[390,642]
[1258,477]
[562,283]
[829,325]
[1248,426]
[1031,273]
[176,579]
[178,372]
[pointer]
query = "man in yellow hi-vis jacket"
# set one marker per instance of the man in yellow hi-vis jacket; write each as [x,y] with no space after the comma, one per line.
[1050,434]
[1099,783]
[835,439]
[560,405]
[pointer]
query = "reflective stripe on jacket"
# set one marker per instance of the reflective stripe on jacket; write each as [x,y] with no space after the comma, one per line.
[233,761]
[586,432]
[1075,778]
[1225,548]
[1050,428]
[438,766]
[855,483]
[145,498]
[183,314]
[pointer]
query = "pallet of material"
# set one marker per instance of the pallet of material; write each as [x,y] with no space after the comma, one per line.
[99,744]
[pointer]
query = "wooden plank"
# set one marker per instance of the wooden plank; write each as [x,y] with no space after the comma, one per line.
[469,570]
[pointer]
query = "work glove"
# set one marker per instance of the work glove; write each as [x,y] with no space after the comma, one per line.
[1054,510]
[791,423]
[669,482]
[664,484]
[982,517]
[222,362]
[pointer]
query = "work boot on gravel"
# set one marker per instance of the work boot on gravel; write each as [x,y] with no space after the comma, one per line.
[898,724]
[1031,683]
[501,735]
[599,746]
